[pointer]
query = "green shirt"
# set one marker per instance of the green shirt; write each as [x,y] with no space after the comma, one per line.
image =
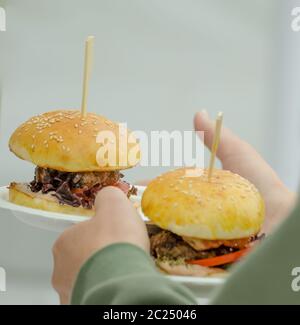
[124,274]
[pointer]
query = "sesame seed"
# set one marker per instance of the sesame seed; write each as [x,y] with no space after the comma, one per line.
[80,131]
[76,125]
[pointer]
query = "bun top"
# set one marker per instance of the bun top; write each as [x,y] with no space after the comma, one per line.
[227,207]
[66,141]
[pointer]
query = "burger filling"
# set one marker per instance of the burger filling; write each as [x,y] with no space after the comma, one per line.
[77,189]
[166,245]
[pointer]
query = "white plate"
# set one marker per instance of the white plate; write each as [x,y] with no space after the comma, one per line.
[47,220]
[202,287]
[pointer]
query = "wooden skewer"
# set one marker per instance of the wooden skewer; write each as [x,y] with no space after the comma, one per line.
[216,141]
[87,72]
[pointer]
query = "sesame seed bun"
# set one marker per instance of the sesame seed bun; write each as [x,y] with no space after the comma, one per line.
[227,207]
[66,141]
[20,193]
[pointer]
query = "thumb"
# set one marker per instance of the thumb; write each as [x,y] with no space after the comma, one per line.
[118,219]
[237,155]
[111,201]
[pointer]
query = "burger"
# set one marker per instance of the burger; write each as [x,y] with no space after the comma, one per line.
[73,161]
[199,227]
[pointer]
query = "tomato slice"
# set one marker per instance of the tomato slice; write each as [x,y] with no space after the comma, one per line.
[220,260]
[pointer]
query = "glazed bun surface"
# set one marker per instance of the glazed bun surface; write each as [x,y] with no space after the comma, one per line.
[227,207]
[20,193]
[66,141]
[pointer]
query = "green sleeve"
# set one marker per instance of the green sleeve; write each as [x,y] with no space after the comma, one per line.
[265,277]
[124,274]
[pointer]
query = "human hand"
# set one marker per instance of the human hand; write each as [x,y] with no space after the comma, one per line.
[115,221]
[241,158]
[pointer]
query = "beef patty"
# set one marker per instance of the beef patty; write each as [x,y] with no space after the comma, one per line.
[165,244]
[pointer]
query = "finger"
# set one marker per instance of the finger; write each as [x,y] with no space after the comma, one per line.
[118,219]
[112,203]
[64,299]
[228,140]
[110,199]
[237,155]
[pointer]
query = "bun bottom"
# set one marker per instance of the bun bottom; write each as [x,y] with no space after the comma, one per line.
[20,193]
[182,268]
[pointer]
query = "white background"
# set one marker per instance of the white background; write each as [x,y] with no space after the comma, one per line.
[156,63]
